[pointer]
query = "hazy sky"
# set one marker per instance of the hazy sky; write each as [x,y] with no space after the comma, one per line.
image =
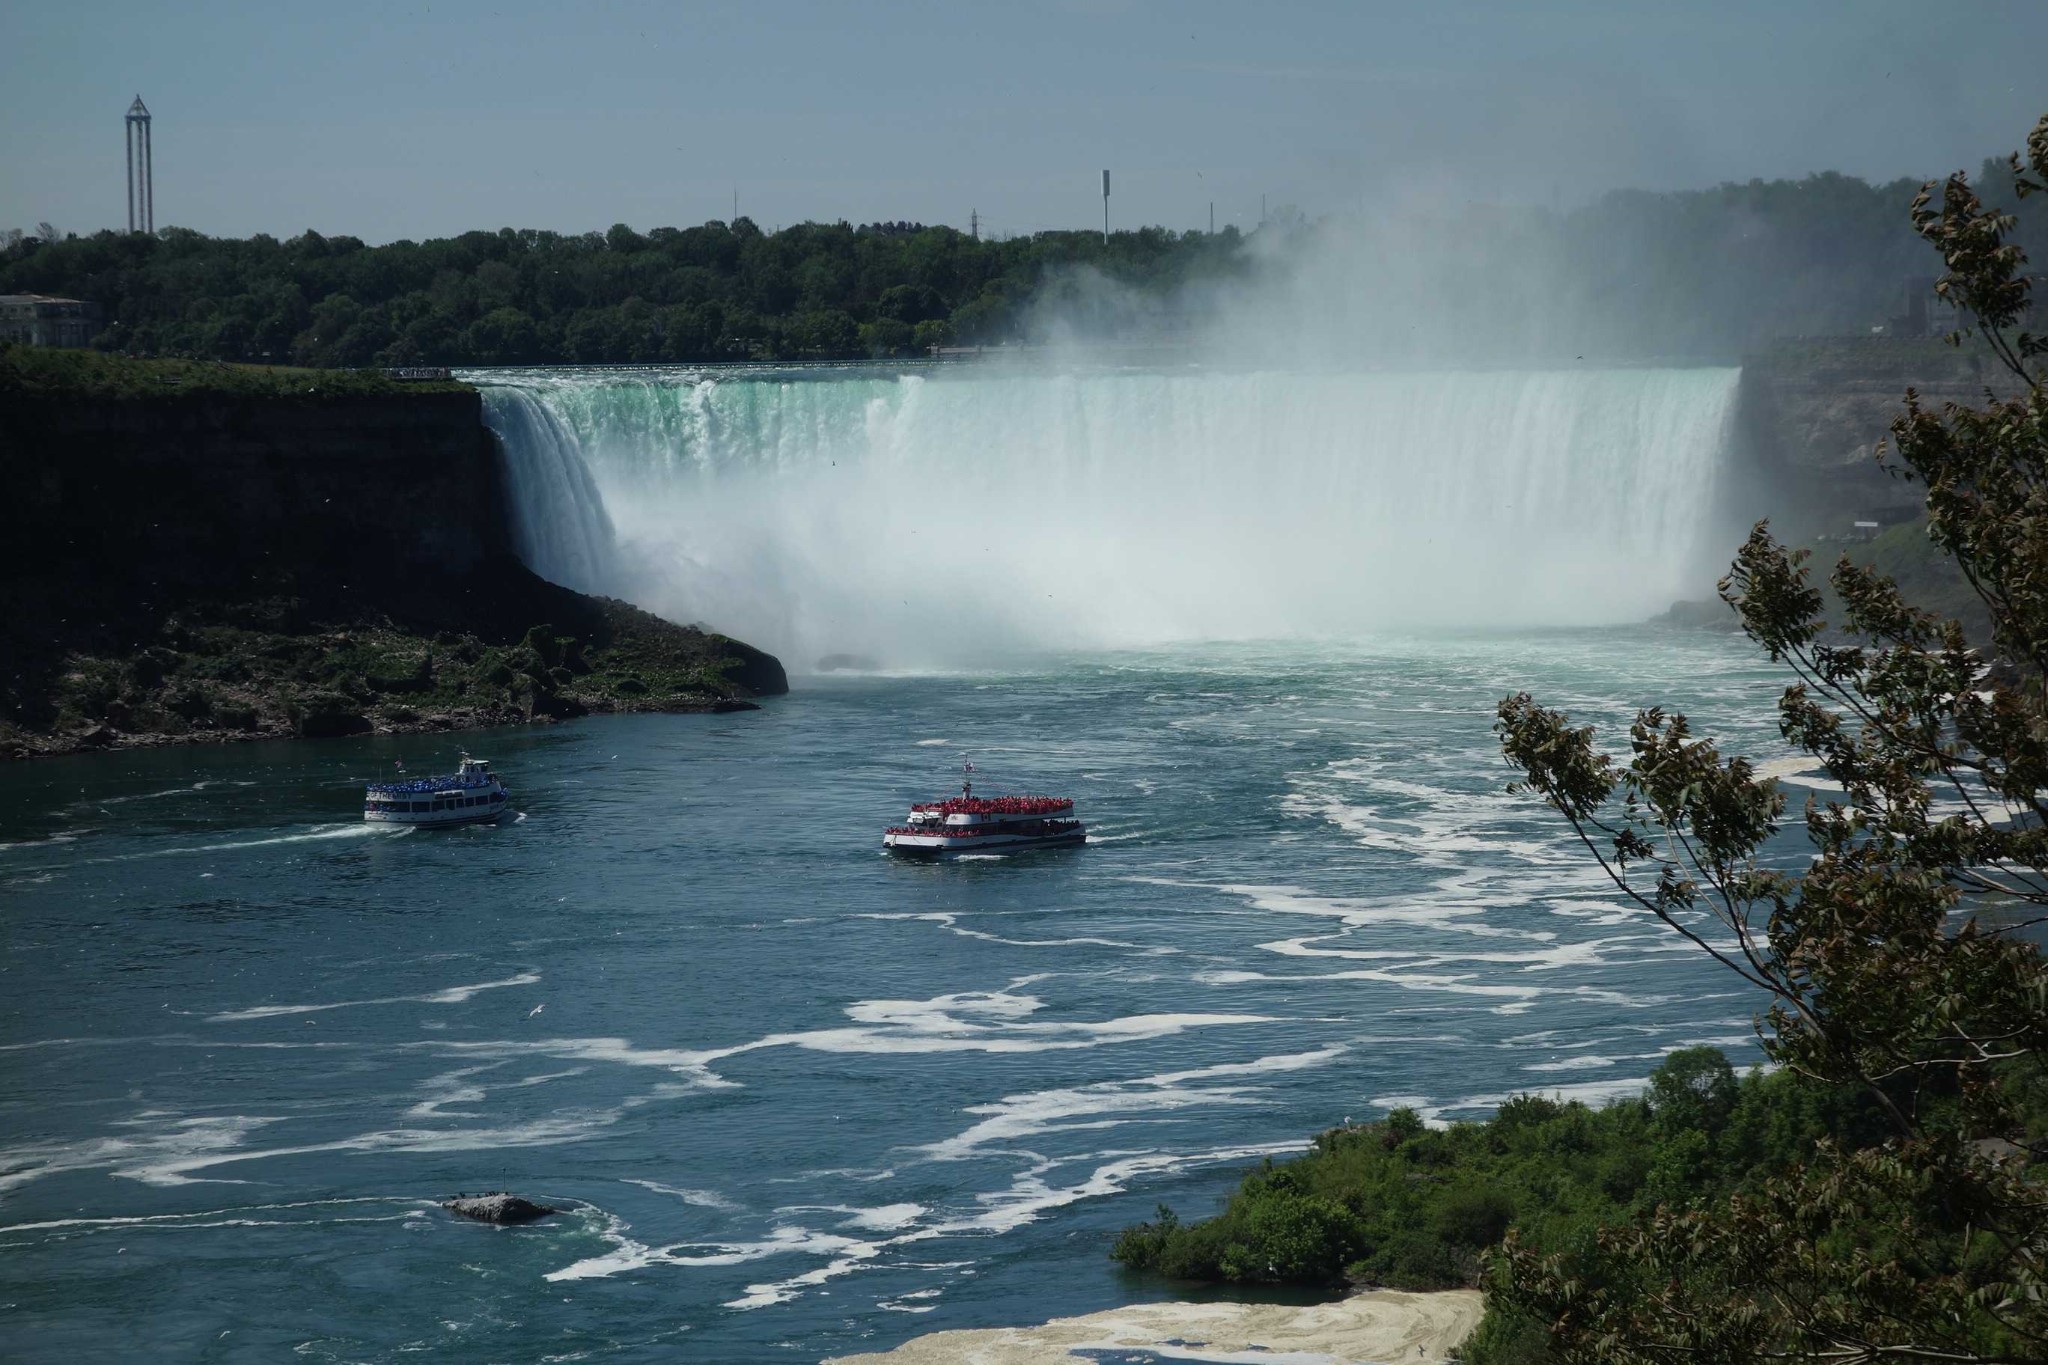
[416,120]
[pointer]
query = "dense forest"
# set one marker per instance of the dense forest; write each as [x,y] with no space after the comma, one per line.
[1704,273]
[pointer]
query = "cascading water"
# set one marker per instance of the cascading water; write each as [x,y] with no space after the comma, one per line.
[929,519]
[559,525]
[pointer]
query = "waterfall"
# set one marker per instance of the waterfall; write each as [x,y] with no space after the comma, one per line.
[924,518]
[559,525]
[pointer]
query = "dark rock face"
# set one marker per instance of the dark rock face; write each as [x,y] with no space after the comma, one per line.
[216,567]
[502,1209]
[214,492]
[1811,414]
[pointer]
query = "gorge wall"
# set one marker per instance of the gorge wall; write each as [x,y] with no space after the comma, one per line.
[1809,418]
[234,565]
[175,497]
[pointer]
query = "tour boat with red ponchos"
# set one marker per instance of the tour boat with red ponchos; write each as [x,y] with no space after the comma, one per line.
[985,824]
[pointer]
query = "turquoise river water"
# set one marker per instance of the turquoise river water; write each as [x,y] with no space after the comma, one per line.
[798,1099]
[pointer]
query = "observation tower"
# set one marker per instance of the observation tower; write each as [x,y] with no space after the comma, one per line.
[141,177]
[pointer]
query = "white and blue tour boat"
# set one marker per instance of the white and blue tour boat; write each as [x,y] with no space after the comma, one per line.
[985,824]
[470,795]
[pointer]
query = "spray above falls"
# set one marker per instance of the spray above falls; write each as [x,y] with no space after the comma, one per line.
[933,519]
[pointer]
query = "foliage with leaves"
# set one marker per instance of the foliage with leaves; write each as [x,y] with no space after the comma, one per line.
[1401,1204]
[1903,961]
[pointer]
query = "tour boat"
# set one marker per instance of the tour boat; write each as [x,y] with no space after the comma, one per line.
[985,824]
[470,795]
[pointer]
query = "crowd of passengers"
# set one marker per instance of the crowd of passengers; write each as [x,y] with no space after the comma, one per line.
[995,805]
[429,784]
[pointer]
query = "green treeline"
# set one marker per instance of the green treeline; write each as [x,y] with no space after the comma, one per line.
[1400,1204]
[713,293]
[1706,273]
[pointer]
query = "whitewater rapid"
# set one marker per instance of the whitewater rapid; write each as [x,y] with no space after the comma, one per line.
[933,518]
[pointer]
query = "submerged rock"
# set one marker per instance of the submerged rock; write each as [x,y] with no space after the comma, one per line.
[497,1208]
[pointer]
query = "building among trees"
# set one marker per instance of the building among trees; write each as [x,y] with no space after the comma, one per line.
[44,320]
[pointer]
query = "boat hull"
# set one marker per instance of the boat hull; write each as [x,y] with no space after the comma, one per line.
[935,845]
[451,817]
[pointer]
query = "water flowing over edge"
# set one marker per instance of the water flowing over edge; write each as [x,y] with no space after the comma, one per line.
[929,520]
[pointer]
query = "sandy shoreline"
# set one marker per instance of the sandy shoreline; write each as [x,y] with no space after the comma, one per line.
[1379,1327]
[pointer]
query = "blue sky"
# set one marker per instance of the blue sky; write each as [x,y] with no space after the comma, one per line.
[414,120]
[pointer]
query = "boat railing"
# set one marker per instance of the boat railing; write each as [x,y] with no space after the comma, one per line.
[972,831]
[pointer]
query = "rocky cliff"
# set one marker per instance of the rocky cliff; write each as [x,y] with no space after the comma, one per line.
[1811,414]
[172,496]
[203,563]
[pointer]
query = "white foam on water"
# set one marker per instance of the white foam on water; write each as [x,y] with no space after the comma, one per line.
[451,995]
[449,1089]
[1580,954]
[65,837]
[950,921]
[993,1022]
[706,1199]
[318,834]
[237,1214]
[1028,1197]
[1363,912]
[1019,1118]
[975,1021]
[881,1218]
[154,1152]
[196,787]
[627,1254]
[1030,1194]
[554,1130]
[455,1087]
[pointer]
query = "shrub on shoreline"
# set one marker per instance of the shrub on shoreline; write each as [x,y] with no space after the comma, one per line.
[1402,1205]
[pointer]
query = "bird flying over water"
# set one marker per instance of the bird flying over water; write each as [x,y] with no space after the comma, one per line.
[537,1009]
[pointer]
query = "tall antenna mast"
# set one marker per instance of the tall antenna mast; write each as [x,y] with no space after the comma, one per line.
[974,224]
[1105,208]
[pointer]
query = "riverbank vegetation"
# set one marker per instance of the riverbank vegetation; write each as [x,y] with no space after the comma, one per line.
[1704,274]
[51,372]
[281,667]
[1406,1206]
